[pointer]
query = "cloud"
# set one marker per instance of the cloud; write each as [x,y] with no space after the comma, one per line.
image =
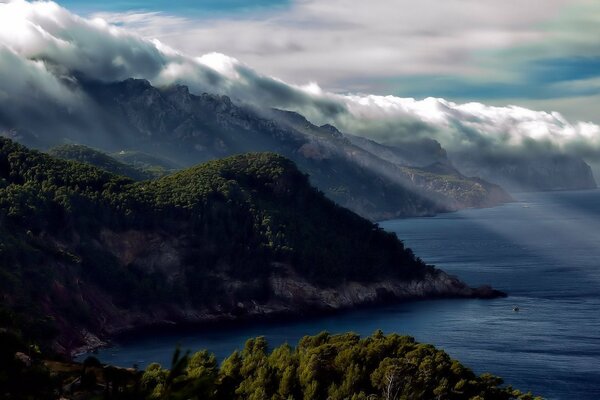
[485,50]
[67,44]
[470,126]
[45,48]
[343,40]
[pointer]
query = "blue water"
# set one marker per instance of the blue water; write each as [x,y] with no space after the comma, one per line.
[544,250]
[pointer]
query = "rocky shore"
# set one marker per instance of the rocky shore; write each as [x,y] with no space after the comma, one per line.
[292,296]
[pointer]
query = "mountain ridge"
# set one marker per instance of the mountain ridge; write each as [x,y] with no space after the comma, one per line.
[175,124]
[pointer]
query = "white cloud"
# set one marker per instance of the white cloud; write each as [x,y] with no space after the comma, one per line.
[43,44]
[344,41]
[466,126]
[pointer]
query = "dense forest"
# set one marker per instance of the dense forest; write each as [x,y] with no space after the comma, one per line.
[85,253]
[324,366]
[85,250]
[99,159]
[134,165]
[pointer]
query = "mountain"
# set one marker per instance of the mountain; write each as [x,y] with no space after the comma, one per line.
[132,164]
[173,124]
[418,153]
[86,254]
[99,159]
[155,165]
[530,172]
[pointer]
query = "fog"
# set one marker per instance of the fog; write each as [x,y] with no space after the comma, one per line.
[45,50]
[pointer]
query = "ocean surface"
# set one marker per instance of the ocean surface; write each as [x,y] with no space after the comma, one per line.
[544,250]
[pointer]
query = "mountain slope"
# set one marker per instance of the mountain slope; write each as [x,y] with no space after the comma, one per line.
[420,153]
[177,124]
[86,253]
[445,188]
[99,159]
[530,172]
[174,124]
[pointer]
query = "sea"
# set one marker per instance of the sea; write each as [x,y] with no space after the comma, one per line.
[543,250]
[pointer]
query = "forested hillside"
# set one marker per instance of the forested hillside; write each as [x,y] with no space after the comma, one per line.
[86,253]
[99,159]
[133,165]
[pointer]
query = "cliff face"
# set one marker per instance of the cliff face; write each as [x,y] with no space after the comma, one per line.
[85,254]
[531,172]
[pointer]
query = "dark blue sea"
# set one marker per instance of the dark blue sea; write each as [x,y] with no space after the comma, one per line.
[544,250]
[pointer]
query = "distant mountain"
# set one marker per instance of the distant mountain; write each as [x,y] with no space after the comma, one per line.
[173,124]
[533,171]
[85,254]
[419,153]
[529,172]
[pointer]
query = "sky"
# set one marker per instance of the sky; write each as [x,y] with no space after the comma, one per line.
[504,77]
[540,54]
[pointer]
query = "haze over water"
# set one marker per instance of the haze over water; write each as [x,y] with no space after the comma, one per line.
[544,250]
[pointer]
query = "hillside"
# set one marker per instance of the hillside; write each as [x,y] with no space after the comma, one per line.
[87,254]
[170,123]
[99,159]
[155,165]
[403,177]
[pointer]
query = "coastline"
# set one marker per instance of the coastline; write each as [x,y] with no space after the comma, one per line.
[292,298]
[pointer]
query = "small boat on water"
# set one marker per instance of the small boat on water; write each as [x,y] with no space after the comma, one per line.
[516,308]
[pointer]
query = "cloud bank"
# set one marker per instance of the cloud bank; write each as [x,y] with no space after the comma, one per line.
[336,41]
[44,49]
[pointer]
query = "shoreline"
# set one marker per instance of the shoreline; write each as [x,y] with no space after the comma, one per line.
[271,314]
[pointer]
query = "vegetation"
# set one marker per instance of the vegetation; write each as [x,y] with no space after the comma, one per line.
[236,219]
[319,367]
[103,161]
[64,230]
[148,163]
[233,220]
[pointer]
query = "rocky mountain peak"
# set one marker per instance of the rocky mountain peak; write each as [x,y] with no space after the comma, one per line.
[332,130]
